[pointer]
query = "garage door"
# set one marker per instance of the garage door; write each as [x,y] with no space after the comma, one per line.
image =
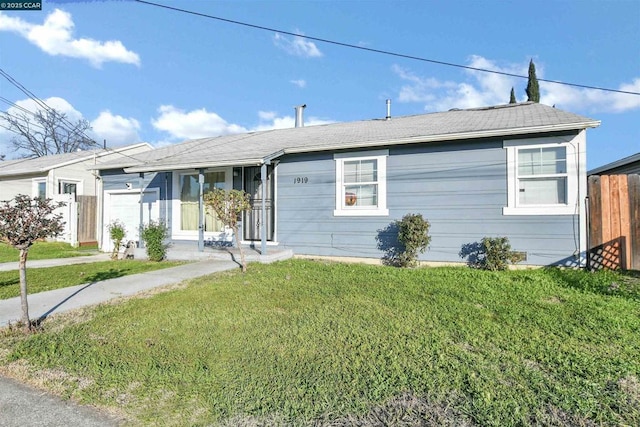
[125,207]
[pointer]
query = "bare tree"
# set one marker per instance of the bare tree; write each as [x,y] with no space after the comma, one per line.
[24,220]
[228,205]
[47,132]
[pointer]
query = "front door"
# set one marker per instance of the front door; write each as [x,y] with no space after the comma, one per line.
[253,217]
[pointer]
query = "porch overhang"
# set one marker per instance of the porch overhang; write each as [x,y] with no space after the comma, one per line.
[168,167]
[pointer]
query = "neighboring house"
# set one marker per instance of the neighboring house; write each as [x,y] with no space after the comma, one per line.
[614,214]
[627,165]
[65,177]
[335,190]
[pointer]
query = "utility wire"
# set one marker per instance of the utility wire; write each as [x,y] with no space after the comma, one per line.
[384,52]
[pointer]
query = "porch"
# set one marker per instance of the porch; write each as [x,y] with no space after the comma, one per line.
[188,251]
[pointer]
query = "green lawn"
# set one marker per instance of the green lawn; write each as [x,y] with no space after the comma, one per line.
[43,250]
[46,279]
[310,343]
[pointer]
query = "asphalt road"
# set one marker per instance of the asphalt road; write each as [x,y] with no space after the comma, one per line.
[23,406]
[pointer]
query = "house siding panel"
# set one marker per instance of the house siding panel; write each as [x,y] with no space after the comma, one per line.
[460,188]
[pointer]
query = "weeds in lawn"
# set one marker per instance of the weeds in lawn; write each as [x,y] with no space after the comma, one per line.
[312,343]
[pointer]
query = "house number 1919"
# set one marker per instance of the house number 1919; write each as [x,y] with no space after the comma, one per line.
[300,180]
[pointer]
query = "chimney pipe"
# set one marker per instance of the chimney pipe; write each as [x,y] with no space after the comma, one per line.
[388,109]
[299,115]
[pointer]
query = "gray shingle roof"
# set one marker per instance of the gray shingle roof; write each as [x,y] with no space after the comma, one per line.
[256,147]
[46,163]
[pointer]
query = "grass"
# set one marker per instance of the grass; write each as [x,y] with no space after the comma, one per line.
[43,250]
[310,343]
[47,279]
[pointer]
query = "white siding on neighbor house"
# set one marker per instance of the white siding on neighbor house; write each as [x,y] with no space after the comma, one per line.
[9,188]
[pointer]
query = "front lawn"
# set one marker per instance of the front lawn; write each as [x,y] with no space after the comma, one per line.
[43,250]
[47,279]
[311,343]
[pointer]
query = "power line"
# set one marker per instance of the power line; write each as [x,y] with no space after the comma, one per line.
[380,51]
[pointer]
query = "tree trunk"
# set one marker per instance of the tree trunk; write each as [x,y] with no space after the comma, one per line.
[242,261]
[22,266]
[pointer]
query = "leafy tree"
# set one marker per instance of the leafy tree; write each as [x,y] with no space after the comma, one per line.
[154,235]
[47,132]
[533,90]
[24,220]
[512,98]
[117,232]
[228,205]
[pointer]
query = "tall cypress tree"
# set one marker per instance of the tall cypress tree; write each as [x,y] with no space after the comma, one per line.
[533,90]
[512,99]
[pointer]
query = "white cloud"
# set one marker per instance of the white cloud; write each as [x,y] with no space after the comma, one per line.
[478,89]
[300,83]
[55,37]
[193,124]
[297,46]
[59,104]
[115,129]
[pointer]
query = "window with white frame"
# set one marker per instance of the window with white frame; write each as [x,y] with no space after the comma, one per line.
[40,188]
[361,183]
[542,178]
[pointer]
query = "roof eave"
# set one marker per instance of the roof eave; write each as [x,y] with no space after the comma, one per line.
[200,165]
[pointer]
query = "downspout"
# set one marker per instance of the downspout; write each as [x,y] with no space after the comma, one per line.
[201,210]
[263,229]
[141,183]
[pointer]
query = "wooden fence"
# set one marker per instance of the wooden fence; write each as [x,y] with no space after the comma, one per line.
[87,220]
[614,221]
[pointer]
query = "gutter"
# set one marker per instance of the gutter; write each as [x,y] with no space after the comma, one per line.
[179,166]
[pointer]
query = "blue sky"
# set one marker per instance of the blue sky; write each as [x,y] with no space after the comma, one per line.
[139,72]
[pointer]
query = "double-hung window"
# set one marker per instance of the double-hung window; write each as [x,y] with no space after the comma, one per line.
[542,178]
[361,187]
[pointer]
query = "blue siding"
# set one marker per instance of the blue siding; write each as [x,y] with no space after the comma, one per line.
[460,188]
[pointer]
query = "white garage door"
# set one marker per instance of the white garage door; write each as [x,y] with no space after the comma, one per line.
[125,207]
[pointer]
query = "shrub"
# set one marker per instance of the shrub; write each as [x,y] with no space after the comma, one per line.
[117,232]
[413,234]
[154,235]
[496,254]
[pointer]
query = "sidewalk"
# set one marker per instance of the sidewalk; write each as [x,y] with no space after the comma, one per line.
[44,304]
[42,263]
[21,405]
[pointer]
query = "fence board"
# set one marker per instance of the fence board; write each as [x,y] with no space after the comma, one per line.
[87,220]
[614,221]
[634,220]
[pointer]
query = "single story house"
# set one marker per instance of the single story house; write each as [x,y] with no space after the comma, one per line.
[628,165]
[65,177]
[335,190]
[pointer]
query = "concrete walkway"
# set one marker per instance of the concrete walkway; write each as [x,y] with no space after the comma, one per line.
[44,304]
[21,405]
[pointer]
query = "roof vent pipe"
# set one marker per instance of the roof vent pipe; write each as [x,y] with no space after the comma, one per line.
[299,115]
[388,109]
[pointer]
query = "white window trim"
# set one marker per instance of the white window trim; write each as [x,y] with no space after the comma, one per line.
[513,207]
[77,182]
[381,210]
[34,186]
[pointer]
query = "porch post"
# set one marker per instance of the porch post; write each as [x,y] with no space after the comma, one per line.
[201,210]
[263,220]
[141,184]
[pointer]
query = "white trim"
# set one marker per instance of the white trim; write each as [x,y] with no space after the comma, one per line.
[381,210]
[176,220]
[34,187]
[79,185]
[572,146]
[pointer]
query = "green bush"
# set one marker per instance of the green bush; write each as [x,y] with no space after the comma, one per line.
[154,235]
[413,234]
[496,254]
[117,232]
